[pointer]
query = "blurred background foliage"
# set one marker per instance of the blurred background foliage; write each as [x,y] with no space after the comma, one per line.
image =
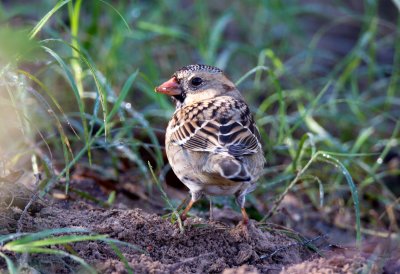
[77,85]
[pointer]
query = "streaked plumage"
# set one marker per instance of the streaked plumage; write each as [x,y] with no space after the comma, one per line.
[212,142]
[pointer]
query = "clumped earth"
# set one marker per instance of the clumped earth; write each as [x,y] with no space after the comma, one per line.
[201,248]
[204,247]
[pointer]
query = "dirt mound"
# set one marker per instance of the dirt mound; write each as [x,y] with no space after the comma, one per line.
[202,247]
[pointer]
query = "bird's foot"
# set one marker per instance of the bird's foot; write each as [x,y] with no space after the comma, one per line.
[183,217]
[244,227]
[244,224]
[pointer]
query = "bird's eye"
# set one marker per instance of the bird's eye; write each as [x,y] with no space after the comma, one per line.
[196,81]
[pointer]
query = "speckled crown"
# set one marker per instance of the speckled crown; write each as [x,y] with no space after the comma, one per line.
[197,67]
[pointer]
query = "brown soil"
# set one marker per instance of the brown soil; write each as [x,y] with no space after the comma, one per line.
[204,246]
[333,264]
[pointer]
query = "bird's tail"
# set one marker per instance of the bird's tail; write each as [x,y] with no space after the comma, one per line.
[227,167]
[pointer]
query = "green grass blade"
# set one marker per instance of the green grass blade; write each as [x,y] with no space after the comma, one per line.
[251,72]
[165,197]
[45,233]
[323,155]
[71,81]
[44,20]
[51,96]
[311,107]
[320,186]
[124,92]
[88,144]
[41,250]
[55,240]
[118,13]
[353,189]
[276,62]
[159,186]
[100,89]
[74,11]
[121,257]
[215,37]
[361,139]
[10,265]
[300,149]
[161,29]
[392,141]
[9,237]
[111,198]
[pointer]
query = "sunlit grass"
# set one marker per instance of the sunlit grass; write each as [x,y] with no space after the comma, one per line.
[43,242]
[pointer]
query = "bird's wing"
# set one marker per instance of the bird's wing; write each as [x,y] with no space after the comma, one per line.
[229,130]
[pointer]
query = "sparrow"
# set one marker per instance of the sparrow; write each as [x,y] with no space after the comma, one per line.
[212,142]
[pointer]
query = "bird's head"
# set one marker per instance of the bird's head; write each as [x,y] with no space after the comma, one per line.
[196,83]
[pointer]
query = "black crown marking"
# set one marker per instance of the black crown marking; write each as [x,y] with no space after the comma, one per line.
[197,67]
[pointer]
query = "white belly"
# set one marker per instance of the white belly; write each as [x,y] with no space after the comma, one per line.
[214,190]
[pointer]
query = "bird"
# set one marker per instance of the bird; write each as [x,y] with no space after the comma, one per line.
[212,142]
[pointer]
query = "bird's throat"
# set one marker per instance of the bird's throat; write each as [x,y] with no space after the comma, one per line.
[179,98]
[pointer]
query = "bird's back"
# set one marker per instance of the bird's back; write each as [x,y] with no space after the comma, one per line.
[214,146]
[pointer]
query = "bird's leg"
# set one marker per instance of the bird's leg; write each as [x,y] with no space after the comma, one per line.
[195,197]
[184,213]
[184,201]
[211,208]
[245,217]
[240,200]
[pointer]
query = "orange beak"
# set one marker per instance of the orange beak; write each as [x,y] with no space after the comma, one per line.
[171,87]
